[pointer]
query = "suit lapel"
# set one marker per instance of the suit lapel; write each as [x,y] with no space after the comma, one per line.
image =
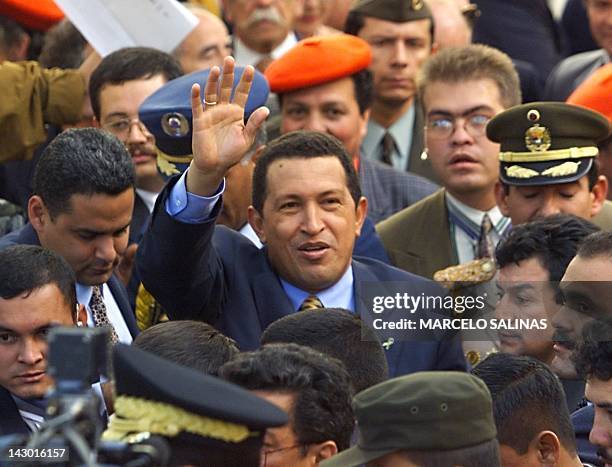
[10,419]
[120,296]
[415,163]
[271,301]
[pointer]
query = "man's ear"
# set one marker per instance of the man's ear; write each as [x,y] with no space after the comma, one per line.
[320,452]
[599,193]
[501,198]
[38,214]
[361,213]
[548,447]
[256,221]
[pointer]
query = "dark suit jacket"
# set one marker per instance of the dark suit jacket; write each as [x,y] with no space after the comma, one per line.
[197,271]
[10,419]
[27,236]
[388,190]
[417,239]
[572,71]
[415,163]
[582,420]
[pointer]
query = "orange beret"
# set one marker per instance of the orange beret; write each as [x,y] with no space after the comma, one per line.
[595,92]
[39,15]
[318,60]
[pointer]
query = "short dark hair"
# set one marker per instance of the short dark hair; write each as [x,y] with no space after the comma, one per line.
[83,161]
[597,244]
[527,399]
[355,21]
[25,268]
[593,357]
[322,408]
[193,344]
[128,64]
[339,334]
[302,145]
[63,46]
[363,87]
[482,454]
[553,241]
[11,33]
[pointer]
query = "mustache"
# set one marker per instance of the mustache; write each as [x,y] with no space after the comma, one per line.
[268,13]
[563,338]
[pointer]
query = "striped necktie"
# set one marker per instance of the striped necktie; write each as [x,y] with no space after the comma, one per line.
[311,302]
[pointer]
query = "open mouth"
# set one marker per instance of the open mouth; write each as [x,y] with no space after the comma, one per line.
[313,250]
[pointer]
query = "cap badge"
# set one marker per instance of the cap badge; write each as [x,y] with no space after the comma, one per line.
[175,124]
[416,4]
[537,138]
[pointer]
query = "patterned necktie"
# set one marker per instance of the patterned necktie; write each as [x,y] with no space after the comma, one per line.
[388,146]
[311,302]
[98,310]
[485,244]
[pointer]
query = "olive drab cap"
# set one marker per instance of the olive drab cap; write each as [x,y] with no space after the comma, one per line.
[544,143]
[398,11]
[429,410]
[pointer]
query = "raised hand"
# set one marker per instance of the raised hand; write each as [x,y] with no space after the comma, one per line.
[220,138]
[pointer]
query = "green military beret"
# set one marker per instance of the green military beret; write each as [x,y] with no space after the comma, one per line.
[545,143]
[398,11]
[439,410]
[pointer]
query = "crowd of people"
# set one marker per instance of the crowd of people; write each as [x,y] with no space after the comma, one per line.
[369,232]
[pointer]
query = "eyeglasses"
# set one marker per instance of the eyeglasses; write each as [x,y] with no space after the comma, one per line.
[265,453]
[444,126]
[121,127]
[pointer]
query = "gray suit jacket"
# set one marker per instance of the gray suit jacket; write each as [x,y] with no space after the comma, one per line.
[417,239]
[388,190]
[572,71]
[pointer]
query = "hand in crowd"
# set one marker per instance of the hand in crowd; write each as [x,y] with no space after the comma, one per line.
[220,136]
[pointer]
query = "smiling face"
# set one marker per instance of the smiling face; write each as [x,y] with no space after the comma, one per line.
[526,293]
[465,161]
[586,295]
[309,221]
[24,323]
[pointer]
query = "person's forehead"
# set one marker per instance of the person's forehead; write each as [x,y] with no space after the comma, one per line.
[376,26]
[32,309]
[306,168]
[128,94]
[581,184]
[530,269]
[92,211]
[599,391]
[581,269]
[337,91]
[458,96]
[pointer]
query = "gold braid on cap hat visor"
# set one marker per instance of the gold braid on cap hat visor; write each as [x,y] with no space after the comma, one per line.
[135,415]
[557,154]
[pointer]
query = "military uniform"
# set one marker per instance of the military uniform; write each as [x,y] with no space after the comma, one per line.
[426,411]
[200,416]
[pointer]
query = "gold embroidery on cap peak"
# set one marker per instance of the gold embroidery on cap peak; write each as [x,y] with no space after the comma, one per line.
[516,171]
[567,168]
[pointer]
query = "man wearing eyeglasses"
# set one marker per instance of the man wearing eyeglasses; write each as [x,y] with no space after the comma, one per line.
[461,89]
[122,81]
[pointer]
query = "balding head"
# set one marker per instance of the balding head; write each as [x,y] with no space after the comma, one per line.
[452,29]
[206,45]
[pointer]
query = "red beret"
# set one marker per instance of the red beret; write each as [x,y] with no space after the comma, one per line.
[595,92]
[39,15]
[318,60]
